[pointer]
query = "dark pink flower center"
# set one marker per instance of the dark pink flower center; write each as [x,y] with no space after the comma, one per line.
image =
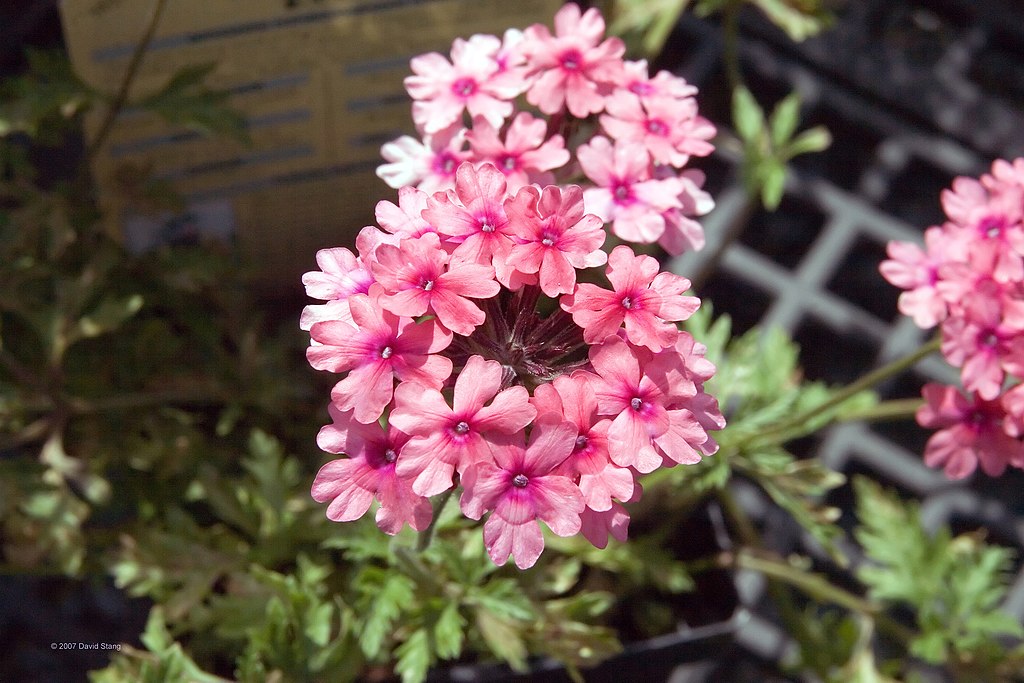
[486,226]
[445,164]
[464,87]
[427,285]
[581,443]
[641,88]
[462,428]
[622,193]
[520,481]
[390,456]
[548,238]
[991,226]
[636,403]
[571,60]
[656,127]
[509,163]
[988,338]
[627,303]
[386,352]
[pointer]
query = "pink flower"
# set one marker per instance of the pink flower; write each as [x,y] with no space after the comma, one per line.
[417,277]
[369,472]
[635,402]
[682,233]
[449,439]
[917,271]
[645,299]
[989,223]
[341,275]
[576,70]
[597,526]
[971,431]
[406,218]
[626,195]
[520,487]
[554,237]
[473,217]
[428,164]
[526,154]
[634,78]
[984,347]
[571,398]
[442,90]
[375,349]
[668,128]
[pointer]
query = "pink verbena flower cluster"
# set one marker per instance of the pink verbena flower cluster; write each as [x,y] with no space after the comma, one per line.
[598,120]
[969,279]
[473,357]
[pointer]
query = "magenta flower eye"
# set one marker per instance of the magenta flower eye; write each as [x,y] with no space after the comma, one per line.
[520,481]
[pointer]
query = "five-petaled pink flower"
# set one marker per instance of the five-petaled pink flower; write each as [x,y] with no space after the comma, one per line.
[626,195]
[526,154]
[668,128]
[646,300]
[350,484]
[971,431]
[428,165]
[448,439]
[418,276]
[472,82]
[574,69]
[520,486]
[553,236]
[379,347]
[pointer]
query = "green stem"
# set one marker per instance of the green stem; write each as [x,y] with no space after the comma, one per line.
[895,409]
[800,420]
[730,47]
[121,98]
[428,534]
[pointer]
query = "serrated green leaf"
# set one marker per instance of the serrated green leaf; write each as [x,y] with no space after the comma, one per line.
[413,657]
[504,637]
[386,594]
[449,632]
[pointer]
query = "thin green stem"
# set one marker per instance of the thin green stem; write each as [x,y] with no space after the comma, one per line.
[428,534]
[121,98]
[730,47]
[895,409]
[800,420]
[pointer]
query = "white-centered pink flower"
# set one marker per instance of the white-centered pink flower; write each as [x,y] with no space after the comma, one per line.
[519,487]
[646,300]
[626,195]
[472,216]
[471,81]
[668,128]
[525,155]
[449,439]
[428,164]
[419,277]
[375,349]
[350,484]
[573,69]
[571,398]
[553,236]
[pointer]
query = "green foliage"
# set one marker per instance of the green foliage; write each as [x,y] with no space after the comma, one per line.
[769,143]
[954,584]
[185,101]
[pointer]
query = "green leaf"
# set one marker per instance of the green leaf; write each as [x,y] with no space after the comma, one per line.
[812,140]
[504,637]
[773,183]
[414,657]
[111,313]
[800,19]
[385,595]
[652,20]
[185,101]
[448,632]
[784,119]
[747,115]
